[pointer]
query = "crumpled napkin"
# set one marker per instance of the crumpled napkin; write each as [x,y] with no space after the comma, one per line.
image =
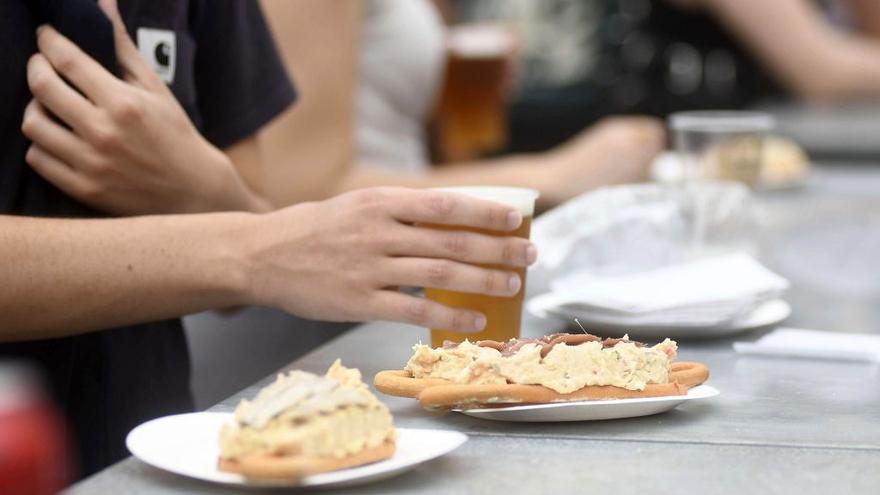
[633,228]
[708,292]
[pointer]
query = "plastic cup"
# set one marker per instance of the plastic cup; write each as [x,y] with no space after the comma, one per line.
[503,314]
[726,145]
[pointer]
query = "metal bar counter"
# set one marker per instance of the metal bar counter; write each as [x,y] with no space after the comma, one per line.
[779,425]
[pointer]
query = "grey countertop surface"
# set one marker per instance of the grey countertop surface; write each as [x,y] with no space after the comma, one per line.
[779,425]
[840,131]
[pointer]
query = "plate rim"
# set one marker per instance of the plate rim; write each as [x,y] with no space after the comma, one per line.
[704,392]
[656,174]
[455,439]
[532,305]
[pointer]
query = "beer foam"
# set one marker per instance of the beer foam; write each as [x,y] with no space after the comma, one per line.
[480,41]
[521,198]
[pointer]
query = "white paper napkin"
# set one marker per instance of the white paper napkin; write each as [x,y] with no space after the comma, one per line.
[634,228]
[728,284]
[814,344]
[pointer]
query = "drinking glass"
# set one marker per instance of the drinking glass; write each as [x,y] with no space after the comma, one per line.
[502,313]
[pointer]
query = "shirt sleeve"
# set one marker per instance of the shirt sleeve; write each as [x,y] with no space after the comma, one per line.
[240,79]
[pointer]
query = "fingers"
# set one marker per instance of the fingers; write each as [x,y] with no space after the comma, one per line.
[464,246]
[134,68]
[54,94]
[396,306]
[37,126]
[446,208]
[81,70]
[450,275]
[57,172]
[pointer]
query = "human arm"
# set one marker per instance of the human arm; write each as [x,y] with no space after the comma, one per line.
[615,150]
[124,146]
[247,159]
[309,151]
[72,276]
[340,259]
[801,49]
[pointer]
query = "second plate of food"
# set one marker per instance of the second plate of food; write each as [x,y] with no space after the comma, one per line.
[186,444]
[591,410]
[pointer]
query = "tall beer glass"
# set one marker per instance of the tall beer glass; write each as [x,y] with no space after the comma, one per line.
[472,108]
[502,313]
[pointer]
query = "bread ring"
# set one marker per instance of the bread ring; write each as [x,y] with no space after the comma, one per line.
[688,373]
[294,467]
[400,383]
[435,393]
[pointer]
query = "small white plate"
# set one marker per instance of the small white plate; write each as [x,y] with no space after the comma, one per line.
[545,307]
[591,410]
[187,444]
[667,168]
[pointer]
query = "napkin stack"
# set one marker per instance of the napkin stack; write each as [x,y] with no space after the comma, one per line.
[793,342]
[703,293]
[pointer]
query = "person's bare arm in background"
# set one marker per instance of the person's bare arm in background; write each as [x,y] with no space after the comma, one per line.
[801,48]
[247,159]
[309,151]
[311,145]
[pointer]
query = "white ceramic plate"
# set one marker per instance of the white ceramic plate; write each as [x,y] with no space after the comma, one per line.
[186,444]
[771,313]
[591,410]
[667,168]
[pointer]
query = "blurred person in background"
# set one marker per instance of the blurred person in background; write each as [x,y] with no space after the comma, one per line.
[585,59]
[94,126]
[369,74]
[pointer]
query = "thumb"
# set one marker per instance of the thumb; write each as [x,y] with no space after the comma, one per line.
[134,67]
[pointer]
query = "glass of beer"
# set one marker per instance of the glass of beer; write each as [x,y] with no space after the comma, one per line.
[503,314]
[471,114]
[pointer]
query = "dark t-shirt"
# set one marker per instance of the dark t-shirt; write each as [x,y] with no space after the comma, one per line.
[220,61]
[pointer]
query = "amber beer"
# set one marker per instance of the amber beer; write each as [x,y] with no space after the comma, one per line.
[471,113]
[503,314]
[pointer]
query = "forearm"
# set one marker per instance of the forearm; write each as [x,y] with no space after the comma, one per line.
[233,194]
[228,183]
[246,187]
[289,187]
[308,148]
[804,52]
[514,171]
[65,277]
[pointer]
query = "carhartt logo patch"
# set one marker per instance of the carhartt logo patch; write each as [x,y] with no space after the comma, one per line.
[159,49]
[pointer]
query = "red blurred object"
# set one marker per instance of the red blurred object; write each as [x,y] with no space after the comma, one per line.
[33,440]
